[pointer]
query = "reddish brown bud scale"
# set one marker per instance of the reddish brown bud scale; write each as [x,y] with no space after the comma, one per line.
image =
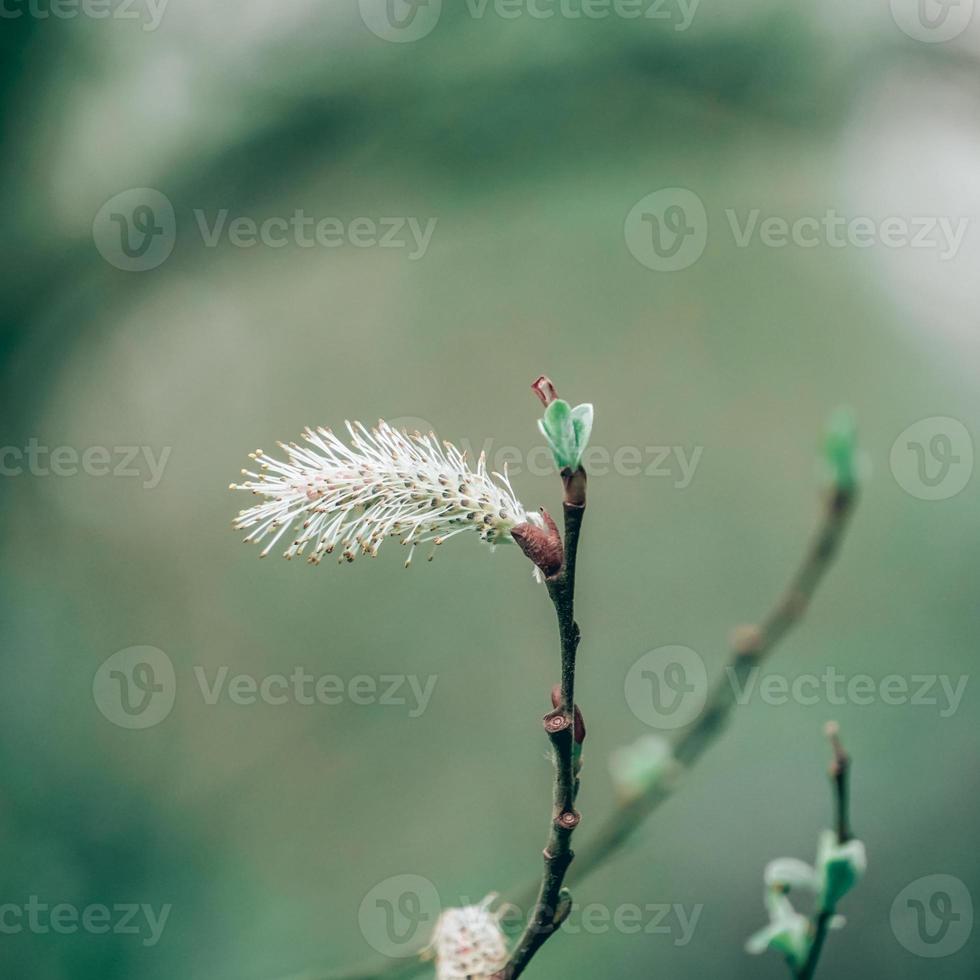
[542,545]
[545,390]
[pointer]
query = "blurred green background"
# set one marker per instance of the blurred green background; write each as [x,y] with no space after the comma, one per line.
[528,140]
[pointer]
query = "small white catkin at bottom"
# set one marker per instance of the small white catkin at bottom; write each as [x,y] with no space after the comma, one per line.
[469,943]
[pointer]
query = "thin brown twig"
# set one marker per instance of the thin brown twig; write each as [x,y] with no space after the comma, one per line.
[840,771]
[552,905]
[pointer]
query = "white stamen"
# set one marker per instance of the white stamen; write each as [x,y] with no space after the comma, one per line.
[468,943]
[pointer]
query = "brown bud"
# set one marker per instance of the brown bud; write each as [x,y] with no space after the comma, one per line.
[542,545]
[841,759]
[579,720]
[564,907]
[746,640]
[545,390]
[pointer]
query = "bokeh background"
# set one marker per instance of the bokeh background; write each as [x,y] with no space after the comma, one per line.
[528,140]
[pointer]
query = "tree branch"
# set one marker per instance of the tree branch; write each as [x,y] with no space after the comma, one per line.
[751,645]
[552,905]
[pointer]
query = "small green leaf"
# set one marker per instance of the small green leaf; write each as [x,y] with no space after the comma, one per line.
[839,867]
[567,431]
[840,448]
[582,416]
[558,428]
